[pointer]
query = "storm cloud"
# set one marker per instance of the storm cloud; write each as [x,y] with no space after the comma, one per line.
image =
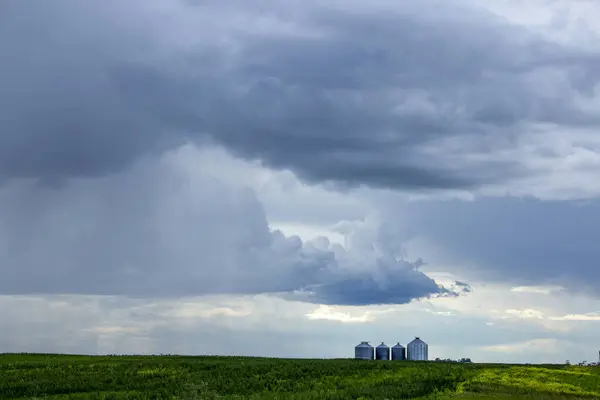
[386,95]
[163,229]
[98,97]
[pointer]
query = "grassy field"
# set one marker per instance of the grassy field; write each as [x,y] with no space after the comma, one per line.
[30,376]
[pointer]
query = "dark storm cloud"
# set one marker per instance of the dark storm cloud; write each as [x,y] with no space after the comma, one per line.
[353,94]
[396,96]
[399,287]
[60,111]
[518,241]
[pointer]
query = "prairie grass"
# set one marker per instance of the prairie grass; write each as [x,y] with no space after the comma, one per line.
[54,376]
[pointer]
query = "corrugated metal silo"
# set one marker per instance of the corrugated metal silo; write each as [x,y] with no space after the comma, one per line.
[382,352]
[417,350]
[398,352]
[364,351]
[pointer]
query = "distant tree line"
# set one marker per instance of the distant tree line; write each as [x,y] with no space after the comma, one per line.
[585,363]
[460,360]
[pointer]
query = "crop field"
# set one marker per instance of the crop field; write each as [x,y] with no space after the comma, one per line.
[37,376]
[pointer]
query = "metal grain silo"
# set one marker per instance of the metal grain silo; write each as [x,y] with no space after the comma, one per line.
[364,351]
[417,350]
[382,352]
[398,352]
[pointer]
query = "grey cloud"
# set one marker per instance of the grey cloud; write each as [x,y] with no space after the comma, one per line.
[518,241]
[165,229]
[61,114]
[399,284]
[343,94]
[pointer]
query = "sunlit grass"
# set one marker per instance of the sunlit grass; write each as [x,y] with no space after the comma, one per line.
[537,380]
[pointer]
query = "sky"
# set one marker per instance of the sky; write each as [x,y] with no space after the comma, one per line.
[290,178]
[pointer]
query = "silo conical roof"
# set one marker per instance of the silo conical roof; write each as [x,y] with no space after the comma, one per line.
[417,340]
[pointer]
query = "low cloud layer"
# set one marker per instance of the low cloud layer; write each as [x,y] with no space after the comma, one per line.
[268,326]
[165,229]
[383,94]
[518,241]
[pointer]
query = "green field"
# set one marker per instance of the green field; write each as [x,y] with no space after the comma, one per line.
[30,376]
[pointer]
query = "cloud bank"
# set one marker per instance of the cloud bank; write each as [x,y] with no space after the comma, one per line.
[385,95]
[165,229]
[96,98]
